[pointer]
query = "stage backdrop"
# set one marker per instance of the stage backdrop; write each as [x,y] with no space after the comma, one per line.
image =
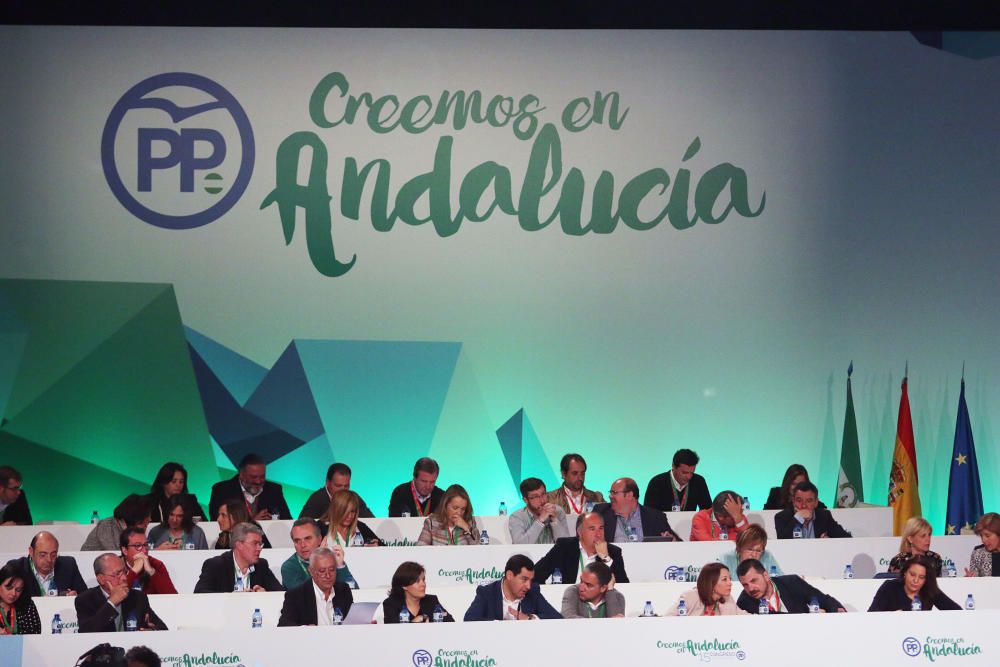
[491,248]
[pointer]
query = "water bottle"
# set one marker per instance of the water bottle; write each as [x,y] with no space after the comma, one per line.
[503,509]
[746,504]
[438,615]
[797,532]
[556,576]
[257,620]
[647,610]
[353,585]
[675,508]
[57,625]
[951,570]
[916,605]
[813,605]
[682,609]
[137,584]
[762,608]
[848,571]
[406,515]
[131,623]
[773,571]
[588,506]
[238,585]
[338,616]
[404,615]
[94,518]
[970,602]
[357,540]
[723,534]
[484,537]
[189,545]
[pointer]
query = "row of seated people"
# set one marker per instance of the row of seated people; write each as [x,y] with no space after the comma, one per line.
[241,567]
[322,599]
[678,489]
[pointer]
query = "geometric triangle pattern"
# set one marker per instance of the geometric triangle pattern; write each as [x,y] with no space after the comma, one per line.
[522,449]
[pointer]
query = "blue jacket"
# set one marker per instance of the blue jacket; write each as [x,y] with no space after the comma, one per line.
[488,604]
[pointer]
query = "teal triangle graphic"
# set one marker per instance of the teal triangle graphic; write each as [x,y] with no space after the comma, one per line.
[239,375]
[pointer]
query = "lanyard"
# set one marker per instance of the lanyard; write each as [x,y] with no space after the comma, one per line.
[453,534]
[10,623]
[684,494]
[304,568]
[572,505]
[243,582]
[713,610]
[421,510]
[777,600]
[41,582]
[336,538]
[626,528]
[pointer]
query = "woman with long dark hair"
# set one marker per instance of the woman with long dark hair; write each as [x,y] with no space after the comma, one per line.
[18,614]
[712,596]
[231,513]
[170,481]
[408,598]
[916,589]
[780,497]
[179,530]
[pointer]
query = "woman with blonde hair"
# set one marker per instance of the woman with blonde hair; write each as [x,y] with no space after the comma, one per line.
[452,522]
[344,528]
[915,541]
[751,543]
[712,596]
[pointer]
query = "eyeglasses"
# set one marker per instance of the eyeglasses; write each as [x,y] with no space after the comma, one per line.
[141,545]
[253,544]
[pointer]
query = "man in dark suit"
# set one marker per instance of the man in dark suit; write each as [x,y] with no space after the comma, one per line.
[112,606]
[514,598]
[680,489]
[625,520]
[43,566]
[338,478]
[265,500]
[420,496]
[787,594]
[13,503]
[241,569]
[299,607]
[805,515]
[587,547]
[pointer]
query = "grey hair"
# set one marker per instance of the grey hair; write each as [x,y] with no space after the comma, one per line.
[99,561]
[241,530]
[321,552]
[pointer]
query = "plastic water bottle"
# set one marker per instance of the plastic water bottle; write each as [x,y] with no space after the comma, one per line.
[357,540]
[647,610]
[916,605]
[682,609]
[438,615]
[137,584]
[588,506]
[189,545]
[723,534]
[762,608]
[675,508]
[353,585]
[338,616]
[57,625]
[484,537]
[257,620]
[503,509]
[556,576]
[970,602]
[773,571]
[813,605]
[94,518]
[746,504]
[797,532]
[406,515]
[951,571]
[404,615]
[848,571]
[131,623]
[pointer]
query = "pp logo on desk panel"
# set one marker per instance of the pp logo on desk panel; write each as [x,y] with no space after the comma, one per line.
[422,658]
[177,150]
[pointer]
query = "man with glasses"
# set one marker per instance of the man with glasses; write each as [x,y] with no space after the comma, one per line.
[144,572]
[317,600]
[264,500]
[46,572]
[625,520]
[539,521]
[112,606]
[241,569]
[13,503]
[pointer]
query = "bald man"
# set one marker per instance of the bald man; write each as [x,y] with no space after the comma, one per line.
[112,606]
[46,572]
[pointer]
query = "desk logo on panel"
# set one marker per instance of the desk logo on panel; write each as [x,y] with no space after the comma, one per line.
[177,150]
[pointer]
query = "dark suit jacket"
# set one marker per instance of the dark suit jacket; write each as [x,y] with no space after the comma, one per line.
[67,576]
[272,497]
[795,594]
[392,606]
[892,597]
[319,502]
[784,524]
[401,500]
[488,604]
[654,522]
[18,512]
[95,614]
[219,572]
[774,500]
[565,554]
[660,494]
[299,607]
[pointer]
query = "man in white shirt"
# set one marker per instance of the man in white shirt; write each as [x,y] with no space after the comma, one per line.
[539,521]
[322,600]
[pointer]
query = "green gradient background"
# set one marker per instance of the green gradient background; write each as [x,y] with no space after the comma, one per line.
[877,244]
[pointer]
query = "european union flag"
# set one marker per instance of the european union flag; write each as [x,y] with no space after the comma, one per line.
[965,497]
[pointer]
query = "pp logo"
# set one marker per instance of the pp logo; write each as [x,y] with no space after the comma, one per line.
[177,150]
[675,573]
[741,655]
[422,658]
[911,647]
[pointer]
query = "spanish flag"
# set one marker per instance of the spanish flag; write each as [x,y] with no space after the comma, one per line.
[904,494]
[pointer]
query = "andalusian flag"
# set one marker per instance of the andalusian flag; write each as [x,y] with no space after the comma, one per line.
[850,490]
[904,496]
[965,496]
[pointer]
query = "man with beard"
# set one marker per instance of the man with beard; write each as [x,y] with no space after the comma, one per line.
[264,500]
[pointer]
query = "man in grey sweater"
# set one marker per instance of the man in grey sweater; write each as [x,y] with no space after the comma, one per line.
[539,521]
[591,598]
